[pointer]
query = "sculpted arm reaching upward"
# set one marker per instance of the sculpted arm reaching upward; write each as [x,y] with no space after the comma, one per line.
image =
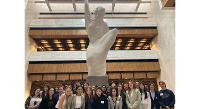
[87,14]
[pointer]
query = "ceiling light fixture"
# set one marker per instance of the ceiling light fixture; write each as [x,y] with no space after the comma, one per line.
[82,41]
[131,40]
[118,44]
[57,41]
[140,44]
[72,49]
[44,41]
[61,49]
[138,48]
[127,48]
[70,45]
[69,41]
[143,40]
[129,44]
[119,40]
[59,45]
[49,49]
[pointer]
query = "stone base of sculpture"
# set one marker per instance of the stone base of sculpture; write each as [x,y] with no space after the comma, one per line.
[97,80]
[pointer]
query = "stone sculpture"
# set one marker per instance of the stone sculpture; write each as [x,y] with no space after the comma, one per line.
[101,40]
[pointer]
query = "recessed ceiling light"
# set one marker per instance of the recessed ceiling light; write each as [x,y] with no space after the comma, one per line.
[44,41]
[49,49]
[140,44]
[83,45]
[61,49]
[118,44]
[83,49]
[57,41]
[72,49]
[131,40]
[58,45]
[138,48]
[82,41]
[70,45]
[69,41]
[127,48]
[119,40]
[143,40]
[46,45]
[129,44]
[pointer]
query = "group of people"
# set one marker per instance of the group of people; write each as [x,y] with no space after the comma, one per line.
[131,95]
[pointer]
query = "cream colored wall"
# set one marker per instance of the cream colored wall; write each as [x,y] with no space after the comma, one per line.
[165,42]
[30,14]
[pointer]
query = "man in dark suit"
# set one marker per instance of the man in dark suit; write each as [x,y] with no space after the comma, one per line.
[154,97]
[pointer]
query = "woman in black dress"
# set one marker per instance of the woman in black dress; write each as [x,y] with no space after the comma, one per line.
[100,100]
[48,102]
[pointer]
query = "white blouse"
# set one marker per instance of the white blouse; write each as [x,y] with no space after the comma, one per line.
[78,102]
[145,103]
[35,101]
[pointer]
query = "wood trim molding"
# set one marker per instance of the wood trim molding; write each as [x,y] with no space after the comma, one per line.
[81,33]
[82,67]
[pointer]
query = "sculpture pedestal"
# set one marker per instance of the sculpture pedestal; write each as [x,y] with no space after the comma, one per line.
[97,80]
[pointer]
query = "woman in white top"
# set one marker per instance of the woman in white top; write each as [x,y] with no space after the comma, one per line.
[66,99]
[115,100]
[79,100]
[34,101]
[145,98]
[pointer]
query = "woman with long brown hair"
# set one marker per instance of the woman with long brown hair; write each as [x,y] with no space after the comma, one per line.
[48,102]
[33,101]
[133,96]
[114,101]
[88,98]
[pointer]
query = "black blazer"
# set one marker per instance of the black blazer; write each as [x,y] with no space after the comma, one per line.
[47,103]
[154,101]
[88,102]
[100,102]
[124,105]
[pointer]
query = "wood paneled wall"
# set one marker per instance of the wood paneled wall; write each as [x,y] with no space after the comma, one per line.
[62,77]
[37,77]
[83,76]
[114,75]
[49,77]
[81,33]
[75,76]
[82,67]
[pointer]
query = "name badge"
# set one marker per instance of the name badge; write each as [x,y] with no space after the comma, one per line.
[161,94]
[102,102]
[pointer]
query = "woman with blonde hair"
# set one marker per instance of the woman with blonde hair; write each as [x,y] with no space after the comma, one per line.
[133,96]
[66,99]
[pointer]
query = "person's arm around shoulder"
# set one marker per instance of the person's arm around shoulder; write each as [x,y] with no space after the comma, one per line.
[61,101]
